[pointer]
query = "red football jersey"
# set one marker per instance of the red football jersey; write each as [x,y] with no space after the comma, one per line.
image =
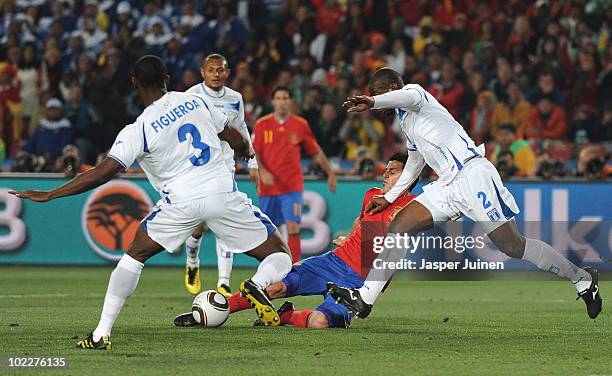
[357,252]
[278,148]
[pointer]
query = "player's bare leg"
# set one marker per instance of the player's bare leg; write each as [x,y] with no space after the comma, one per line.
[193,282]
[294,240]
[122,283]
[413,218]
[275,265]
[507,238]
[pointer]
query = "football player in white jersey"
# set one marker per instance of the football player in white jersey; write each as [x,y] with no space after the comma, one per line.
[468,184]
[176,141]
[215,72]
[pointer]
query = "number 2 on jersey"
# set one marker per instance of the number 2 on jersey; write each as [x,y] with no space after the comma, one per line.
[485,203]
[196,142]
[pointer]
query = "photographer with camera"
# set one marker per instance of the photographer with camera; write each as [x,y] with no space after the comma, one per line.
[69,163]
[522,155]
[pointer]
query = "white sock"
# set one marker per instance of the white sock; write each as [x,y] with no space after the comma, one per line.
[284,232]
[272,269]
[546,258]
[377,278]
[225,259]
[192,248]
[122,283]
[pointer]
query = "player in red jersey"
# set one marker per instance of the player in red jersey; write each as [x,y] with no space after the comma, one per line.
[277,140]
[350,262]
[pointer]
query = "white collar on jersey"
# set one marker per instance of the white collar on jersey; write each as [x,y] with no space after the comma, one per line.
[213,93]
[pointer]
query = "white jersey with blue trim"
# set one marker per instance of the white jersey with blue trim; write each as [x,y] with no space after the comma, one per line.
[231,104]
[433,136]
[175,140]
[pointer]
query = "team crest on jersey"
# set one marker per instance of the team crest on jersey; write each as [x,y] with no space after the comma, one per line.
[293,138]
[493,215]
[394,212]
[111,216]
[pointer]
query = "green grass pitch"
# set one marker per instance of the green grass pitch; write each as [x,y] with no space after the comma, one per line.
[417,328]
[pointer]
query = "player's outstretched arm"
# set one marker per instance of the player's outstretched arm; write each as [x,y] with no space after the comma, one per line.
[82,183]
[409,98]
[240,144]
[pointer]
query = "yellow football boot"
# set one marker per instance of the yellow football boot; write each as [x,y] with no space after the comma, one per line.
[224,290]
[264,308]
[193,284]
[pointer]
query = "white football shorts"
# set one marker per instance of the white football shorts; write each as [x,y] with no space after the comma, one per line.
[232,217]
[476,192]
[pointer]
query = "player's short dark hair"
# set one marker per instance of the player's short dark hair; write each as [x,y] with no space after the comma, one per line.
[384,77]
[214,57]
[507,127]
[150,71]
[281,88]
[399,157]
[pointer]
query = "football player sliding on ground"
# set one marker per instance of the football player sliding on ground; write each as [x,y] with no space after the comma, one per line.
[346,265]
[468,184]
[177,142]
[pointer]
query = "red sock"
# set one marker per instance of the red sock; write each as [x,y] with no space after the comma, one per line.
[295,245]
[238,303]
[299,319]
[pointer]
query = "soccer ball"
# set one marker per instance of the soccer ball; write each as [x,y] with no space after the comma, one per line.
[210,309]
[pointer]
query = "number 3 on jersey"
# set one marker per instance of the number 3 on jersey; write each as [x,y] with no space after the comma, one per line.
[196,142]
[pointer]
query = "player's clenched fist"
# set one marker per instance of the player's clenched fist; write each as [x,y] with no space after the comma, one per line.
[358,103]
[377,204]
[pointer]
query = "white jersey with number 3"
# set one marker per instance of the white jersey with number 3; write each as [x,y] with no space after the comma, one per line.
[175,140]
[231,104]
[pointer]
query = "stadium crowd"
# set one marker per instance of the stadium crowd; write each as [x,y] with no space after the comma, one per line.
[530,79]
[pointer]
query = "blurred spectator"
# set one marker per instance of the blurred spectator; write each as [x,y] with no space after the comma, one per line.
[546,87]
[594,169]
[366,166]
[523,156]
[30,76]
[53,132]
[92,35]
[584,82]
[587,154]
[549,168]
[426,35]
[323,50]
[361,129]
[480,118]
[10,106]
[583,126]
[448,91]
[69,163]
[505,165]
[86,123]
[545,121]
[513,110]
[327,129]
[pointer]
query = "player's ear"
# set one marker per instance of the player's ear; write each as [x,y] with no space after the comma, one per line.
[166,79]
[202,70]
[134,83]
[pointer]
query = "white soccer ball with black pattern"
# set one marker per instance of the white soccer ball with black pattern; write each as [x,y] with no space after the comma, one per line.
[210,308]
